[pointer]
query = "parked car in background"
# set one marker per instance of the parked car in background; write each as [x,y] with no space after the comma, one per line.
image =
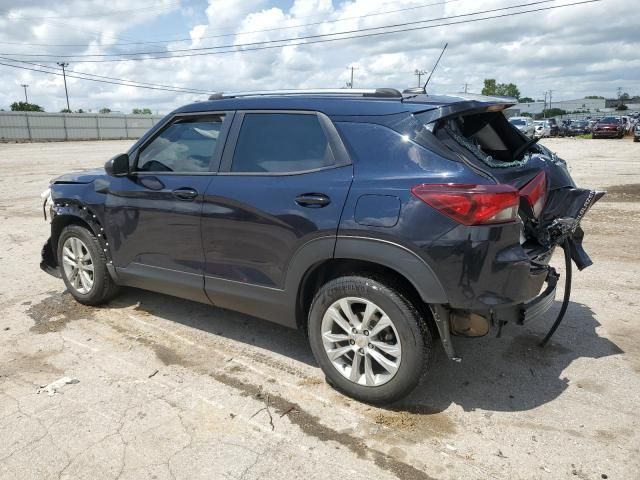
[373,221]
[636,133]
[578,127]
[524,124]
[626,123]
[608,127]
[541,129]
[556,129]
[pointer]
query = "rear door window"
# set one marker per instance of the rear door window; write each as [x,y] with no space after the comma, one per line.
[281,143]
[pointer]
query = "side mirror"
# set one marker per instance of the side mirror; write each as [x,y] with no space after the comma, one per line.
[118,166]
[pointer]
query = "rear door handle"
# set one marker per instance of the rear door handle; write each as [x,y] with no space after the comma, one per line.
[313,200]
[185,193]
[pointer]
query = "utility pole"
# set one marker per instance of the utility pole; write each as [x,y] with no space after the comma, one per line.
[419,73]
[544,108]
[64,76]
[550,93]
[24,85]
[466,86]
[350,84]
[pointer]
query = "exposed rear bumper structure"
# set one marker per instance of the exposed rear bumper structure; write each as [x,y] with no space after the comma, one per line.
[537,307]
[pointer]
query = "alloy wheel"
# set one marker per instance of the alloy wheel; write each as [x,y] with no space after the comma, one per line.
[78,265]
[361,341]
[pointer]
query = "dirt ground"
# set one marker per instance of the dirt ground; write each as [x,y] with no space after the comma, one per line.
[170,389]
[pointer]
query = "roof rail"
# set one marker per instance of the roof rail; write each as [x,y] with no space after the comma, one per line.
[362,92]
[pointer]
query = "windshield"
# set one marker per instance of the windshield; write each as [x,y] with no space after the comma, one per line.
[609,120]
[517,121]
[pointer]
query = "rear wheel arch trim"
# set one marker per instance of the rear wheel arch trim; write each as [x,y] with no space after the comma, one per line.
[395,257]
[374,251]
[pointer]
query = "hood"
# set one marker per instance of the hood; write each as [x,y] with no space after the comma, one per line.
[83,176]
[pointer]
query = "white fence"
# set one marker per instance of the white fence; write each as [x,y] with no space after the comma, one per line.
[40,126]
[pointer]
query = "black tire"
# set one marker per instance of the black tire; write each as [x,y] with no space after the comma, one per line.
[414,336]
[103,288]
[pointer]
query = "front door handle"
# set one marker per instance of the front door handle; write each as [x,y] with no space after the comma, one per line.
[313,200]
[185,193]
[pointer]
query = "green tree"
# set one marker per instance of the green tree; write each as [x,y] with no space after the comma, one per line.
[526,100]
[141,111]
[594,97]
[104,110]
[622,107]
[26,107]
[80,110]
[501,89]
[489,86]
[507,90]
[66,110]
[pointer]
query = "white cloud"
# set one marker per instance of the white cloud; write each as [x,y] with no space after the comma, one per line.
[576,51]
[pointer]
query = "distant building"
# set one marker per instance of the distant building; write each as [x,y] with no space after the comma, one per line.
[589,105]
[532,108]
[614,102]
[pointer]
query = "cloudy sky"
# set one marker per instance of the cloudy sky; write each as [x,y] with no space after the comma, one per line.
[589,49]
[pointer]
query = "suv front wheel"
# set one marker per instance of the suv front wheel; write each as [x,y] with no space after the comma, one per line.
[368,338]
[83,265]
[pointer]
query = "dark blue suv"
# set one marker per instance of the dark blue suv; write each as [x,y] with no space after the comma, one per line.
[374,220]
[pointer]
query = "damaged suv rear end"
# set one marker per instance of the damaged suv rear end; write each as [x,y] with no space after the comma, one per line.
[504,204]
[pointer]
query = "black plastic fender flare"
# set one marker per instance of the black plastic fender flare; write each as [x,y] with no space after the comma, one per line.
[60,210]
[397,258]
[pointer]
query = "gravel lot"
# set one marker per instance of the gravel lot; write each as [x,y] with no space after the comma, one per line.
[170,389]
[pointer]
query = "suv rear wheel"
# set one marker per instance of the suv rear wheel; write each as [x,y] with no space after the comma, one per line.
[83,266]
[368,338]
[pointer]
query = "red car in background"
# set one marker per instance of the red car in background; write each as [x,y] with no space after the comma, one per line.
[608,127]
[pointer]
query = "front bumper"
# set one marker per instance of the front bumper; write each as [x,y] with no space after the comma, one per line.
[607,133]
[48,261]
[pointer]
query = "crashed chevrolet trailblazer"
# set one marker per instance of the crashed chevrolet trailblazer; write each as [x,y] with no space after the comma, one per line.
[374,220]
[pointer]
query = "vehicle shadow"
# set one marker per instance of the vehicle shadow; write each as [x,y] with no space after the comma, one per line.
[511,373]
[218,321]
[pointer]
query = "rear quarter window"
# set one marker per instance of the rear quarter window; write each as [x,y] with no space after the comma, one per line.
[376,148]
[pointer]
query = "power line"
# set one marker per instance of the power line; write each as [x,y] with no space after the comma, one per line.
[233,34]
[94,79]
[305,37]
[168,6]
[325,40]
[186,90]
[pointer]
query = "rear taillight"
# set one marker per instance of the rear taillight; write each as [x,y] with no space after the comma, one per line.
[535,192]
[471,204]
